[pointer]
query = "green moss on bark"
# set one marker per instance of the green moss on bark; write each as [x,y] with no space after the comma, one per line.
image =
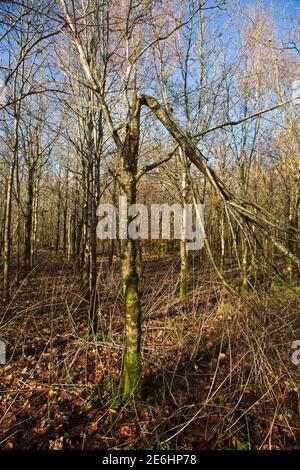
[183,289]
[132,358]
[130,291]
[131,374]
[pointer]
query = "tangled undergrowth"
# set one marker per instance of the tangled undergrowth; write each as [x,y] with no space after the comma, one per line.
[217,368]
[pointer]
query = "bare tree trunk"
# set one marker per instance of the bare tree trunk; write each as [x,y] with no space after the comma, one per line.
[111,252]
[7,230]
[93,258]
[8,210]
[184,260]
[34,221]
[139,257]
[28,221]
[293,227]
[132,356]
[244,246]
[57,242]
[222,241]
[65,220]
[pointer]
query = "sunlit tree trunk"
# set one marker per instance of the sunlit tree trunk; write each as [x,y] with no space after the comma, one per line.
[35,218]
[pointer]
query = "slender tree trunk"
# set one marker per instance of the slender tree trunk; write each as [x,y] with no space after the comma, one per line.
[184,260]
[65,221]
[7,216]
[3,219]
[244,246]
[28,220]
[293,227]
[139,259]
[93,257]
[222,241]
[57,242]
[71,245]
[34,222]
[110,253]
[7,230]
[18,246]
[85,252]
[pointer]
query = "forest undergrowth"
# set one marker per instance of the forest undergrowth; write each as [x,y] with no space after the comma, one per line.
[217,369]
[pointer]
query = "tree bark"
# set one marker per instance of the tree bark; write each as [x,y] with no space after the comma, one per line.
[131,374]
[28,220]
[7,230]
[184,260]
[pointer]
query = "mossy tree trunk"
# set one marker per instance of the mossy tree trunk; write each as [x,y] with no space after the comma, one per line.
[132,354]
[131,374]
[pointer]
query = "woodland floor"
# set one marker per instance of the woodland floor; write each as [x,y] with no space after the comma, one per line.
[217,367]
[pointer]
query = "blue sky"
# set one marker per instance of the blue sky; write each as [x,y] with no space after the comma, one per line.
[282,7]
